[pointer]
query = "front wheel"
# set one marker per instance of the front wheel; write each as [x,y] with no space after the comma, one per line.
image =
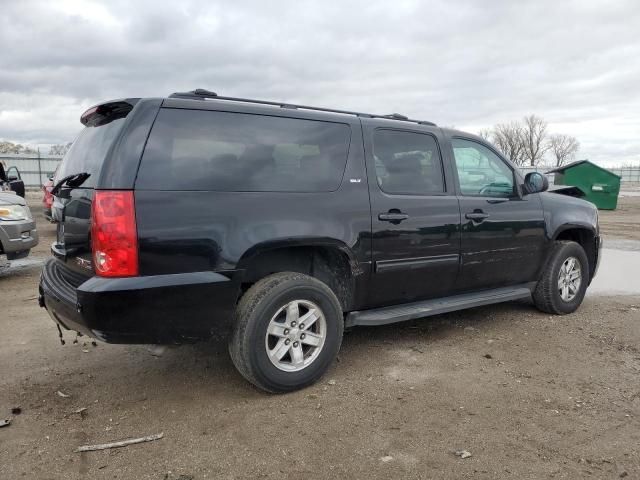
[18,255]
[564,281]
[288,332]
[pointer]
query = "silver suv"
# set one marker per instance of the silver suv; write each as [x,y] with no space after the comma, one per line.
[18,233]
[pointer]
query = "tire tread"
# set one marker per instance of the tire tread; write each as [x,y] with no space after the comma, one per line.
[544,296]
[239,344]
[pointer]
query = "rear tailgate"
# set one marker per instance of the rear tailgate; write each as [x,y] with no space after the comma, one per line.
[72,202]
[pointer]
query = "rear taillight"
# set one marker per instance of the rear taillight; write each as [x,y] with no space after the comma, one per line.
[114,238]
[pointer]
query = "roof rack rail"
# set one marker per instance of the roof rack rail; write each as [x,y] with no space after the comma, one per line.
[396,116]
[202,94]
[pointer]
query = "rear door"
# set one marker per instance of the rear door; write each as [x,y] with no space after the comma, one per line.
[415,215]
[503,234]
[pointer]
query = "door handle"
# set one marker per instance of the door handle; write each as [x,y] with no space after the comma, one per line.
[393,216]
[476,215]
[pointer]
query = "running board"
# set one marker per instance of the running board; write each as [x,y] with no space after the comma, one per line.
[427,308]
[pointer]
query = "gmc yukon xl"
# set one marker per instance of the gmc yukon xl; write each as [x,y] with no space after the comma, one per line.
[281,225]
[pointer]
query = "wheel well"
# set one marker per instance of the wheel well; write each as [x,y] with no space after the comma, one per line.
[586,239]
[327,264]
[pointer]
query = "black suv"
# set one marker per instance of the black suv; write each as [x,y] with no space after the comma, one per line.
[280,225]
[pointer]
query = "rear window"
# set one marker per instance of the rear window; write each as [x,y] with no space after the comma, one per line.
[407,163]
[222,151]
[89,151]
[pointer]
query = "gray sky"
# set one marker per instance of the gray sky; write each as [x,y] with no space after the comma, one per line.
[468,63]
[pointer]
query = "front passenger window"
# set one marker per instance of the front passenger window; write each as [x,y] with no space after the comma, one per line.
[480,171]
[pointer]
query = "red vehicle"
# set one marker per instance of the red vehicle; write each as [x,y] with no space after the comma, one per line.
[47,199]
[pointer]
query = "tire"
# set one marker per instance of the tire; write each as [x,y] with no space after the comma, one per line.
[266,305]
[18,255]
[547,295]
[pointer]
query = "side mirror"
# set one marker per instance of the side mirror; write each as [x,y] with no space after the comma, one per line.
[535,182]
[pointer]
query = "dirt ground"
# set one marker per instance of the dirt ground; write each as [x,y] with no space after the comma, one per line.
[624,221]
[527,394]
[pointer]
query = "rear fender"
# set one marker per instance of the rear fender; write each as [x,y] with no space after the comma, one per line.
[254,251]
[293,255]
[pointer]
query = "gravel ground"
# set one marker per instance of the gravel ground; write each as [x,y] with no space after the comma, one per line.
[623,222]
[527,394]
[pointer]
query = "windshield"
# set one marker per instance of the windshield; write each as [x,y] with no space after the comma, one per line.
[89,151]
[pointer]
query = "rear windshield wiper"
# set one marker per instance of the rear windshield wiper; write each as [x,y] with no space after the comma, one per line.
[74,180]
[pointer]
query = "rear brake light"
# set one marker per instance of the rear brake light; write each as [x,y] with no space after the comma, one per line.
[114,237]
[86,116]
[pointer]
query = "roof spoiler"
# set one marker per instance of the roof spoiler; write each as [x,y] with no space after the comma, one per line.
[107,112]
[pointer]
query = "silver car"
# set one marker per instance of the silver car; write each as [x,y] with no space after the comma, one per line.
[18,233]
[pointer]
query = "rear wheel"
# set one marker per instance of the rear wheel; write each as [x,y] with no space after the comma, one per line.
[564,281]
[288,332]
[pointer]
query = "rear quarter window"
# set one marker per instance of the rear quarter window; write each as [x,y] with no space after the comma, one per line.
[232,152]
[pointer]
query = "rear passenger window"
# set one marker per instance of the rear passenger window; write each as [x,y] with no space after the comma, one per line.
[407,163]
[222,151]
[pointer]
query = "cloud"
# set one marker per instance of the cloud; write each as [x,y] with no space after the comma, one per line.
[467,64]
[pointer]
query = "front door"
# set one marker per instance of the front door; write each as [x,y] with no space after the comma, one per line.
[503,233]
[15,180]
[415,216]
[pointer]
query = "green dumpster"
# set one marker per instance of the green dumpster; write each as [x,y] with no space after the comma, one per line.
[599,185]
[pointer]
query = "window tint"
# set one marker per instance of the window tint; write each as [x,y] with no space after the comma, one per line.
[407,163]
[480,171]
[88,152]
[204,150]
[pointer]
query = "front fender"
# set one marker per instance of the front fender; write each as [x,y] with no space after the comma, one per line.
[562,213]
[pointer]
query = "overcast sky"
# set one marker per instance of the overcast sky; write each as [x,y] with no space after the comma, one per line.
[470,64]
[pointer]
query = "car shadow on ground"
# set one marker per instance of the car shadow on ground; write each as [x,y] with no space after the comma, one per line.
[206,366]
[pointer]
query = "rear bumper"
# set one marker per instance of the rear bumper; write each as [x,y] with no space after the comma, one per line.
[158,309]
[18,237]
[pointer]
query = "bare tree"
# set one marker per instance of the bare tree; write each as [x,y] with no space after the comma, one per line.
[535,139]
[509,138]
[61,149]
[486,134]
[10,147]
[563,148]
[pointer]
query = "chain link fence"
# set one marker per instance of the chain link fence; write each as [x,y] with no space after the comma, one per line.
[627,174]
[34,168]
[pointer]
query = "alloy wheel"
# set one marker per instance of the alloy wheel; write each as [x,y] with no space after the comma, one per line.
[295,335]
[569,279]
